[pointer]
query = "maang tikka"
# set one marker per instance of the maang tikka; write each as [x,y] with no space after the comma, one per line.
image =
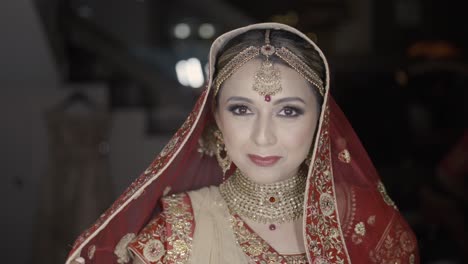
[267,80]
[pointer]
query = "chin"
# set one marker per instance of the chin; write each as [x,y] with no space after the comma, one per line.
[263,174]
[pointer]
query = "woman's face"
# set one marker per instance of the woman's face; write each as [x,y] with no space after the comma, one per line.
[267,141]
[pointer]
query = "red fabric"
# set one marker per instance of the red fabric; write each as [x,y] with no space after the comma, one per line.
[388,237]
[342,198]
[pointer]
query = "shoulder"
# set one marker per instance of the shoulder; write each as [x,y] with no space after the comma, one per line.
[190,201]
[205,202]
[204,195]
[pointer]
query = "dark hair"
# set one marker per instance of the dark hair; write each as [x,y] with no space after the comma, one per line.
[278,38]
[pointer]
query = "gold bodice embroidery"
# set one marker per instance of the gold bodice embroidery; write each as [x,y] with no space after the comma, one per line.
[258,249]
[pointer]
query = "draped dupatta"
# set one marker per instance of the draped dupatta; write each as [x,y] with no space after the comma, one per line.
[348,217]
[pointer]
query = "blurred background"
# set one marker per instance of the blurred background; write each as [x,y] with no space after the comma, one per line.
[93,89]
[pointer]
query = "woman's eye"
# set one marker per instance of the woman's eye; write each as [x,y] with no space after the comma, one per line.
[239,110]
[289,111]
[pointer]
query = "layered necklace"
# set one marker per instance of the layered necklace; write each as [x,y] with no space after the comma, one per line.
[273,203]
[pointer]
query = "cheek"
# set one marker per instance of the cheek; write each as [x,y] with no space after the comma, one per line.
[298,138]
[235,133]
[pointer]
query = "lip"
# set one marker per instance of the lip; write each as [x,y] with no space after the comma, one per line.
[264,161]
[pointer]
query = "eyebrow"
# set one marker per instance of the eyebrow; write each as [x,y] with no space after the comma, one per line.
[288,99]
[239,98]
[279,101]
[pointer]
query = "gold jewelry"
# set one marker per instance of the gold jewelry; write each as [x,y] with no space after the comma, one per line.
[265,203]
[233,65]
[268,81]
[221,154]
[207,143]
[303,69]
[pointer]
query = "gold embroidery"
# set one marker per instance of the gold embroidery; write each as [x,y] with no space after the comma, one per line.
[91,251]
[168,238]
[180,219]
[371,220]
[170,146]
[153,250]
[295,259]
[320,260]
[121,251]
[359,233]
[411,259]
[406,242]
[395,247]
[150,243]
[255,248]
[327,205]
[344,156]
[360,229]
[348,220]
[385,196]
[322,217]
[258,249]
[180,247]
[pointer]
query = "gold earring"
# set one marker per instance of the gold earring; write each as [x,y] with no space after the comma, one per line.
[221,154]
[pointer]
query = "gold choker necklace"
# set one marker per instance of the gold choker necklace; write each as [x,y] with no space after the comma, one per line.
[265,203]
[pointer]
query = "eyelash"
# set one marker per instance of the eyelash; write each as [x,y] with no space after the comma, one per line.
[297,111]
[234,109]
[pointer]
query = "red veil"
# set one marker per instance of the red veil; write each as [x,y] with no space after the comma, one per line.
[348,217]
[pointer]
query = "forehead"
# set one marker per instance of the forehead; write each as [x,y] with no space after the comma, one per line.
[241,82]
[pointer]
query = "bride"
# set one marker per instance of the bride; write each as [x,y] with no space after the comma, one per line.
[266,169]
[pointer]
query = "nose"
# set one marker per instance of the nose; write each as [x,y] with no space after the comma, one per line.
[263,133]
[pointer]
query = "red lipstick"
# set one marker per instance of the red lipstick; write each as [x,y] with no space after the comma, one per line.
[264,161]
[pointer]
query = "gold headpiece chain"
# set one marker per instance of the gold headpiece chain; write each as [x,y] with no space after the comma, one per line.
[267,80]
